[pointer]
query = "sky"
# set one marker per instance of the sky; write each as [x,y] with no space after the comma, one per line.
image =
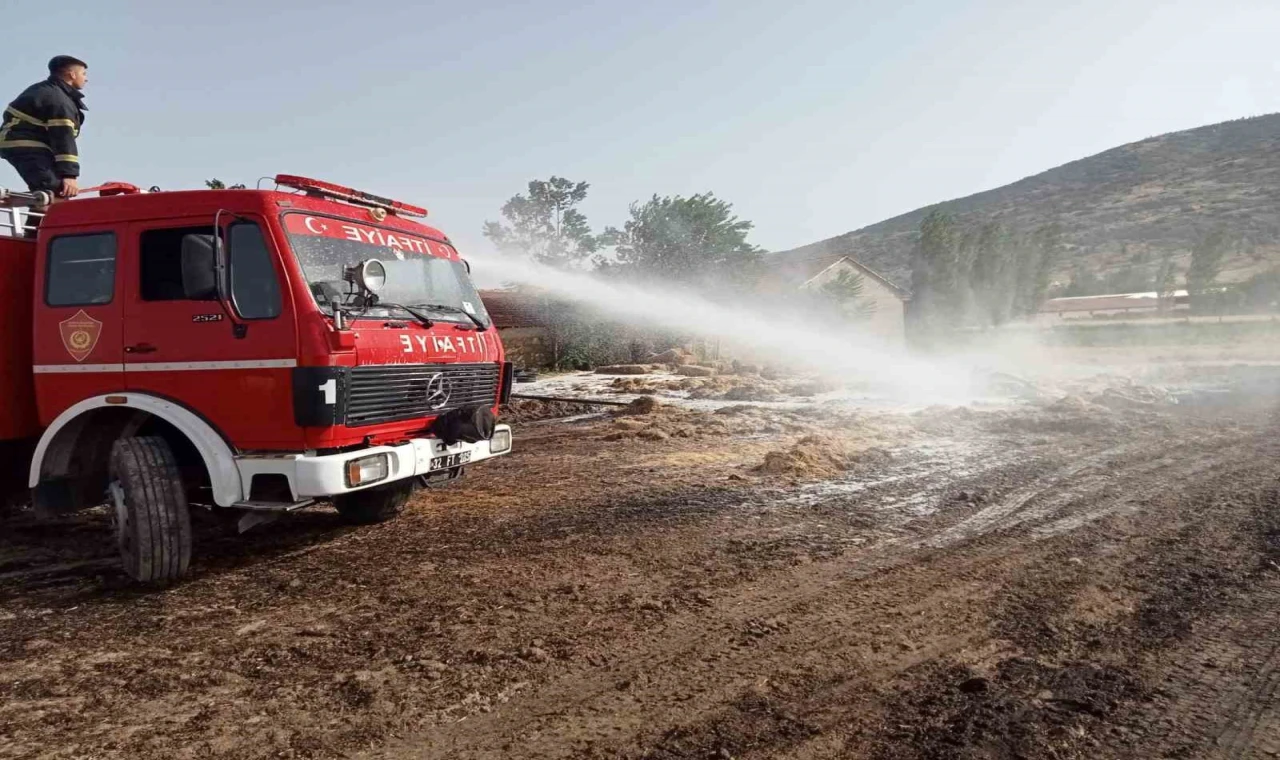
[813,117]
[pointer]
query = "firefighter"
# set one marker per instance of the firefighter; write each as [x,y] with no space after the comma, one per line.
[39,131]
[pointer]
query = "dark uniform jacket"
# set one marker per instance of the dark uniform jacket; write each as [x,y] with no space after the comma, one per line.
[45,119]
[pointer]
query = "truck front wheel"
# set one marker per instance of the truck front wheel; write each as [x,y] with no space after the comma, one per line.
[153,524]
[374,505]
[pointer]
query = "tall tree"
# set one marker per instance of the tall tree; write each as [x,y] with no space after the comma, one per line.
[1206,264]
[935,270]
[1083,282]
[545,224]
[696,239]
[1130,279]
[1166,284]
[992,274]
[1043,249]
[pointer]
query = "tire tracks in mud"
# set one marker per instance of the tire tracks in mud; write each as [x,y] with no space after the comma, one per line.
[834,619]
[1079,482]
[1254,728]
[1217,691]
[1221,697]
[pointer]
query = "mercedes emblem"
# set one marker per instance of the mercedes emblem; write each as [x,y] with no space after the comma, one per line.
[438,391]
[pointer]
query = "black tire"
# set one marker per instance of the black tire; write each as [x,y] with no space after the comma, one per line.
[374,505]
[153,523]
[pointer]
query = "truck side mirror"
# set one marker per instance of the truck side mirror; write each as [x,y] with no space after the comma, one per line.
[199,268]
[466,264]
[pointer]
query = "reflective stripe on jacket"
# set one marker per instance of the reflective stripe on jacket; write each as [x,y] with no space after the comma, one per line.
[45,118]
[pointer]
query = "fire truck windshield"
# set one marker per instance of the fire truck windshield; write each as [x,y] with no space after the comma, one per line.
[419,275]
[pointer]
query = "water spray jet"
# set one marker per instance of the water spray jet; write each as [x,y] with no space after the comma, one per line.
[835,351]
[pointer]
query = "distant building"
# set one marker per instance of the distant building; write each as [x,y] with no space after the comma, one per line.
[1115,306]
[804,270]
[522,320]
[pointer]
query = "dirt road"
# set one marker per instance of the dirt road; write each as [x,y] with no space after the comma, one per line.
[1078,578]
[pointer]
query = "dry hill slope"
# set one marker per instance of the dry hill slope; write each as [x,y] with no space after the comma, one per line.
[1127,205]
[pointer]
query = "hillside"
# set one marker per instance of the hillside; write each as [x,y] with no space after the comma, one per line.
[1123,208]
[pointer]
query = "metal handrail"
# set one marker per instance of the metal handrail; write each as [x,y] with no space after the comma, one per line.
[16,224]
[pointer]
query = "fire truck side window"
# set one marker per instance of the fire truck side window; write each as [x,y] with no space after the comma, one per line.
[255,291]
[160,255]
[82,270]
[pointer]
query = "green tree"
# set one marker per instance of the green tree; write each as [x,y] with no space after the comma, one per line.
[844,297]
[935,270]
[991,277]
[1260,293]
[693,240]
[1132,279]
[1083,282]
[217,184]
[545,224]
[1043,249]
[1206,263]
[1166,284]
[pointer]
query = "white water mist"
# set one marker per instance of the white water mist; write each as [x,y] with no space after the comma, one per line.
[766,329]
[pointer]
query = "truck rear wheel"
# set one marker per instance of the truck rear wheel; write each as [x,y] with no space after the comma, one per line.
[153,524]
[374,505]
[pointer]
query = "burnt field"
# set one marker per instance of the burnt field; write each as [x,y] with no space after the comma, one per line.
[1083,574]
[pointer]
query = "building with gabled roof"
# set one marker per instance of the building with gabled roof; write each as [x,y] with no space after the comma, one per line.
[802,269]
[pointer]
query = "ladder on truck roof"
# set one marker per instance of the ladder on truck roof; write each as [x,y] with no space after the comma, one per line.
[21,208]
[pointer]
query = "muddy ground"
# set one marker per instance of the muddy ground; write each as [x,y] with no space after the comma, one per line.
[1066,575]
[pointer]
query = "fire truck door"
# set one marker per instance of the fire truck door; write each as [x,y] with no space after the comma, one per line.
[231,363]
[77,338]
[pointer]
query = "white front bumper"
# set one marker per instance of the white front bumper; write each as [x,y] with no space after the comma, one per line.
[315,477]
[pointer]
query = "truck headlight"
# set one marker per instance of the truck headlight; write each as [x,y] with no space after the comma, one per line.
[366,470]
[500,443]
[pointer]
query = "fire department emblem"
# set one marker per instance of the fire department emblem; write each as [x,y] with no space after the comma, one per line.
[80,335]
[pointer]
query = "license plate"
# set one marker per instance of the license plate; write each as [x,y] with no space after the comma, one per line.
[450,461]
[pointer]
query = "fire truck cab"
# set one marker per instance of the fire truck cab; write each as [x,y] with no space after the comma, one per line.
[251,352]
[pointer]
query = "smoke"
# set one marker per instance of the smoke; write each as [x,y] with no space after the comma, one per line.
[764,329]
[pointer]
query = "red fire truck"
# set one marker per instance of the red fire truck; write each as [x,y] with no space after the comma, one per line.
[250,352]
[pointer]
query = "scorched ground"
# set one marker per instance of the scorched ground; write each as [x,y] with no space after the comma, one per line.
[1088,574]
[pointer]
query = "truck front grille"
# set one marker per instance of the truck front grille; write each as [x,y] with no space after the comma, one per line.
[389,393]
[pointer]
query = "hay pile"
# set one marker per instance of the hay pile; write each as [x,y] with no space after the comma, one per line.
[623,369]
[643,405]
[530,410]
[707,387]
[674,356]
[761,391]
[634,385]
[812,456]
[661,421]
[810,388]
[1074,405]
[694,370]
[1134,397]
[737,388]
[818,456]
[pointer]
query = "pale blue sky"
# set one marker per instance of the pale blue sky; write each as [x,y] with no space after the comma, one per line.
[812,117]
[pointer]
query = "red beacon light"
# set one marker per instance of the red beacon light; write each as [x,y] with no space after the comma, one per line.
[330,190]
